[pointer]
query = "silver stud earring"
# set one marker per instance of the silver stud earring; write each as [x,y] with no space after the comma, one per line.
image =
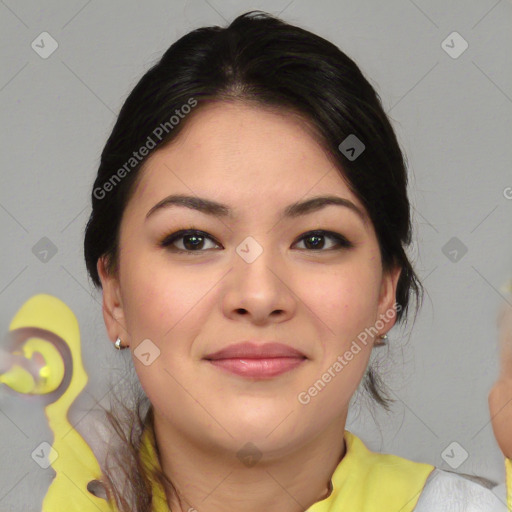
[117,344]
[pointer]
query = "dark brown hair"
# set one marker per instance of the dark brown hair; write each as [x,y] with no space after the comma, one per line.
[260,59]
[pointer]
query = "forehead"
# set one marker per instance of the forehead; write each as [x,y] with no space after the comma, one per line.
[244,155]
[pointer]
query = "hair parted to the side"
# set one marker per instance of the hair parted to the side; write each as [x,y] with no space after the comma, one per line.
[259,59]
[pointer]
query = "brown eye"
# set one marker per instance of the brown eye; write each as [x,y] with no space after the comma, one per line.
[191,240]
[194,240]
[315,240]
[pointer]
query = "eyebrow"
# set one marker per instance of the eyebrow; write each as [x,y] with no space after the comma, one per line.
[219,210]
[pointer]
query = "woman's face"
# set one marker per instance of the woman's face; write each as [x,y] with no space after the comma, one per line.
[249,275]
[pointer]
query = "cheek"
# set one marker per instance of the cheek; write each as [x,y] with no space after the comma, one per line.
[346,301]
[163,300]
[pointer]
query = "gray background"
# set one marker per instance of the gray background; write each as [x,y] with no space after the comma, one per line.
[452,117]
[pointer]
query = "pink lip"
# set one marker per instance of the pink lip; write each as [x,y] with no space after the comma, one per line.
[250,350]
[257,361]
[258,368]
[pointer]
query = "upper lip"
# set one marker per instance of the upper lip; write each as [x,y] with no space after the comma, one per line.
[255,351]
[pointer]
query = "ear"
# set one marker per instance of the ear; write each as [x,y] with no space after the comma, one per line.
[113,313]
[387,298]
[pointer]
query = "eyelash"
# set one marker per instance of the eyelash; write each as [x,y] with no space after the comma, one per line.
[168,240]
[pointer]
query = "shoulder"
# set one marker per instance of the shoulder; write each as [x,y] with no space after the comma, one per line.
[445,491]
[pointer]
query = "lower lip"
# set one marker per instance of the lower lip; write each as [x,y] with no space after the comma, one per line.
[258,368]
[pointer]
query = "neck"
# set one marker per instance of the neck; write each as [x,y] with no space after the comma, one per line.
[213,480]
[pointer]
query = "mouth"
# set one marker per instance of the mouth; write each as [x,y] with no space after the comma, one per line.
[257,361]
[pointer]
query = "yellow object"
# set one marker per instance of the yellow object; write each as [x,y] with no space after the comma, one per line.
[50,375]
[508,472]
[364,481]
[72,459]
[19,379]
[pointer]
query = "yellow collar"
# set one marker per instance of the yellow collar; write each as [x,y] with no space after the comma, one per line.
[363,480]
[369,482]
[150,459]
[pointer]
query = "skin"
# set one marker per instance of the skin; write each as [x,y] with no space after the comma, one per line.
[500,396]
[191,304]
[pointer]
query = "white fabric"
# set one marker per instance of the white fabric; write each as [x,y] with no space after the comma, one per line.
[449,492]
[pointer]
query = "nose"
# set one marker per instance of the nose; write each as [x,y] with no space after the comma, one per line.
[261,290]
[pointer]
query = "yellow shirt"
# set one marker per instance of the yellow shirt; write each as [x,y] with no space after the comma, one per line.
[364,481]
